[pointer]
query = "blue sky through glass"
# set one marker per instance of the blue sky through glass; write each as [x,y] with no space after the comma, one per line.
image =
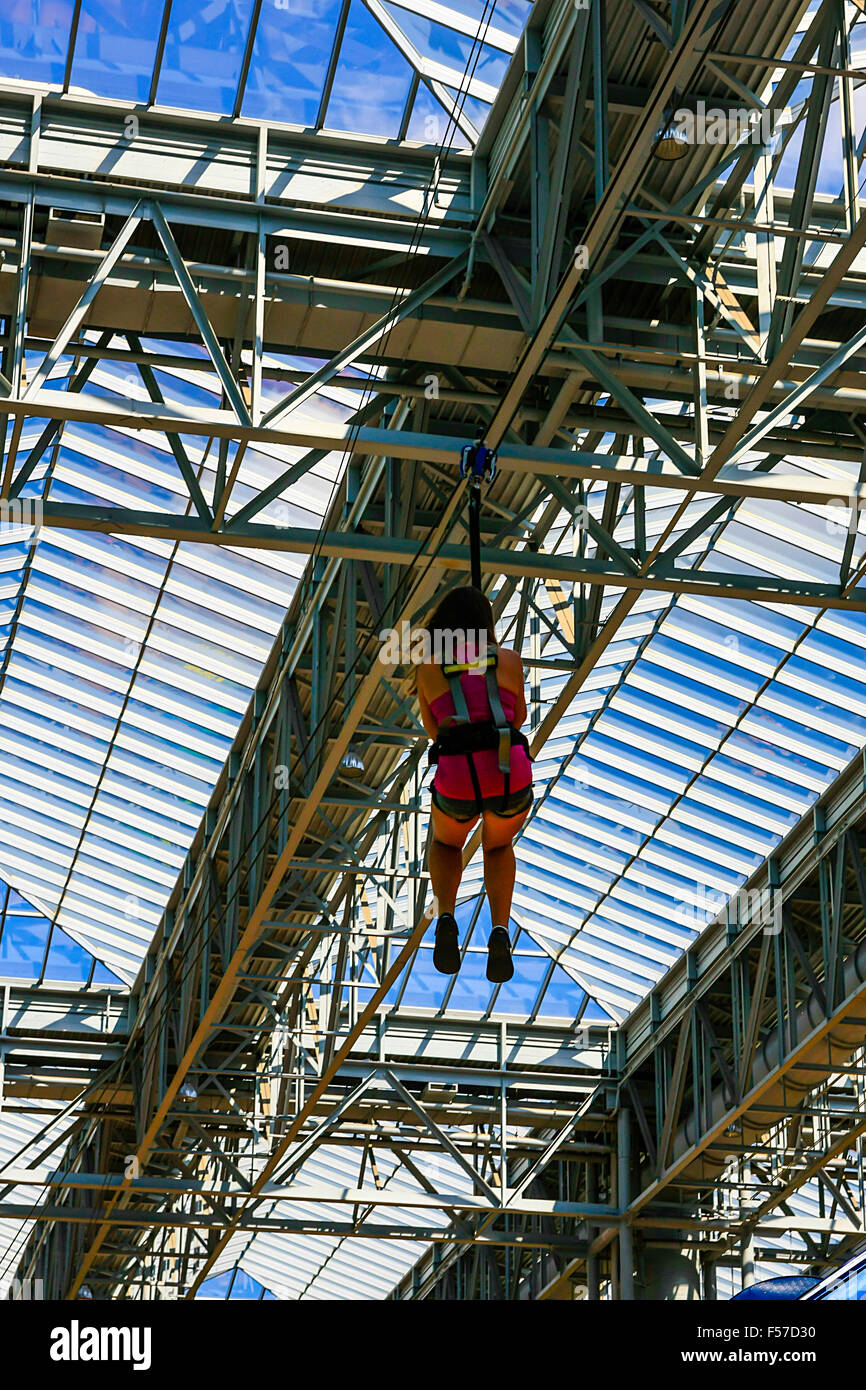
[445,45]
[471,991]
[34,39]
[235,1284]
[290,61]
[372,79]
[116,53]
[25,932]
[116,47]
[203,54]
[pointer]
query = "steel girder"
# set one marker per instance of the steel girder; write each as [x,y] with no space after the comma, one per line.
[268,921]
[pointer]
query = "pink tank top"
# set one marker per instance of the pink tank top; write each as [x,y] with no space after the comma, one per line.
[453,777]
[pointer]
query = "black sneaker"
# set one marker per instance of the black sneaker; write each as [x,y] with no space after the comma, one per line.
[499,963]
[446,951]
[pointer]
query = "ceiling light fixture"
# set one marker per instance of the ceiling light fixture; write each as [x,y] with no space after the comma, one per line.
[352,762]
[672,141]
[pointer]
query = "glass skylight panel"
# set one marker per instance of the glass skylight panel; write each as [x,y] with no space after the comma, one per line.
[25,783]
[143,836]
[34,39]
[759,548]
[178,754]
[793,736]
[119,922]
[506,16]
[632,906]
[628,817]
[738,776]
[116,48]
[639,792]
[734,802]
[769,626]
[836,651]
[481,49]
[473,107]
[643,948]
[715,640]
[70,628]
[577,891]
[825,683]
[819,714]
[657,741]
[73,601]
[114,596]
[74,482]
[112,556]
[562,996]
[430,124]
[43,681]
[246,607]
[68,734]
[136,850]
[575,824]
[46,767]
[32,810]
[676,845]
[153,702]
[157,648]
[616,987]
[215,660]
[556,837]
[654,676]
[290,62]
[664,876]
[847,627]
[696,731]
[779,762]
[705,818]
[179,815]
[70,663]
[372,80]
[518,995]
[726,676]
[647,771]
[234,1285]
[204,50]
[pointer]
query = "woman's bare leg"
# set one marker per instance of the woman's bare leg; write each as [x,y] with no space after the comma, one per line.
[499,866]
[445,859]
[446,867]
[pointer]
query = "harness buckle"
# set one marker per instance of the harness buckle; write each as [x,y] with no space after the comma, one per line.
[458,668]
[505,749]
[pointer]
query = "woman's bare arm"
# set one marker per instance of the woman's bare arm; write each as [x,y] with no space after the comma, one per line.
[513,679]
[431,728]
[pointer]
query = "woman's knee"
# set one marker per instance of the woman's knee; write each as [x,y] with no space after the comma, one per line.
[493,844]
[449,834]
[499,833]
[439,843]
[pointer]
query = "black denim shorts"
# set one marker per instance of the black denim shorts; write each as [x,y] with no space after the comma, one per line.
[461,810]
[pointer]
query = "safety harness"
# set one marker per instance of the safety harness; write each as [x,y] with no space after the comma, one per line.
[458,734]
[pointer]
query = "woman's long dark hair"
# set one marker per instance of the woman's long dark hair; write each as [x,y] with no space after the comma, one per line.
[463,610]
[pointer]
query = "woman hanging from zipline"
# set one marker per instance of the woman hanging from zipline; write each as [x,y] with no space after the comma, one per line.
[472,706]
